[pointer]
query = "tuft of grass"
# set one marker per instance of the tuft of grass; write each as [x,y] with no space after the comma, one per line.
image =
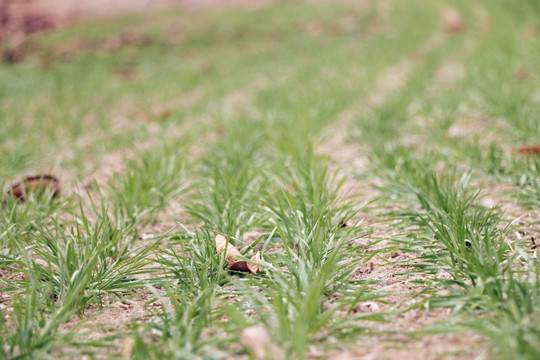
[19,222]
[495,281]
[149,183]
[180,329]
[30,328]
[86,262]
[307,289]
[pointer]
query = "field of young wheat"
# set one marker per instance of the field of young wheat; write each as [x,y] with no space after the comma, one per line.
[295,180]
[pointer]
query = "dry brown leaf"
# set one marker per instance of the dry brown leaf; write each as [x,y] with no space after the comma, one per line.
[532,149]
[164,114]
[233,256]
[254,268]
[239,265]
[530,31]
[34,184]
[231,253]
[127,348]
[452,21]
[257,340]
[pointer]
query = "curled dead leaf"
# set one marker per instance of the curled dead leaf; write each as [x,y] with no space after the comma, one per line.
[530,31]
[35,184]
[239,265]
[164,114]
[254,268]
[452,21]
[535,248]
[233,256]
[533,149]
[291,187]
[342,224]
[258,342]
[220,130]
[127,348]
[522,74]
[231,252]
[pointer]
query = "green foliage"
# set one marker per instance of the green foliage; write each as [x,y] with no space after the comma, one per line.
[148,184]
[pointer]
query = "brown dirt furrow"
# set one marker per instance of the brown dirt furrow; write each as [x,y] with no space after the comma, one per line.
[396,77]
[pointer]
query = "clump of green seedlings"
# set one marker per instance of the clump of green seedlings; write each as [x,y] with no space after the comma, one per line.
[308,284]
[20,221]
[149,182]
[30,327]
[495,280]
[231,185]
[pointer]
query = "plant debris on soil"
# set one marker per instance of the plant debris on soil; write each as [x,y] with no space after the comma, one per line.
[233,256]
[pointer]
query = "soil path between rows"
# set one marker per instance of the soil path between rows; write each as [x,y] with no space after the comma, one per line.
[348,157]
